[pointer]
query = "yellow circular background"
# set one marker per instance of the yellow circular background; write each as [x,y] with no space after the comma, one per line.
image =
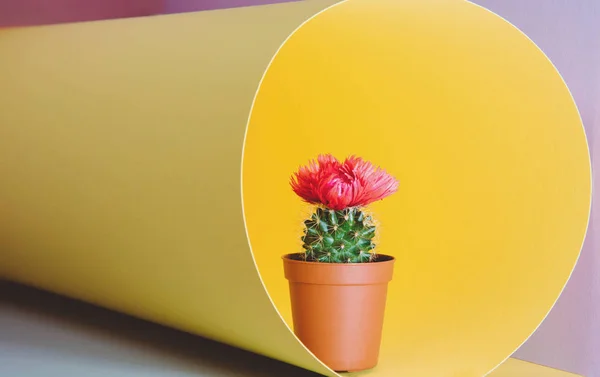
[491,155]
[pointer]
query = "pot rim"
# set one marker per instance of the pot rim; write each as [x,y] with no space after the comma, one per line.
[286,257]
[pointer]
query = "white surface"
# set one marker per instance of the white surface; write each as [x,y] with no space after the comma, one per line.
[43,335]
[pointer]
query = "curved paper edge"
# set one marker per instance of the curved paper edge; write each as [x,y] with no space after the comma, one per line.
[587,142]
[508,362]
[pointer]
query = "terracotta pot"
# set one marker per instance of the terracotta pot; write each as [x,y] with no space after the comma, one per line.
[338,309]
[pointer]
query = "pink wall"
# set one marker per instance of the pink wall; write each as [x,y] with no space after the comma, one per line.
[594,333]
[36,12]
[569,33]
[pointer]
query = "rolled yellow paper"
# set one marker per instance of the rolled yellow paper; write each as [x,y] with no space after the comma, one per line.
[142,171]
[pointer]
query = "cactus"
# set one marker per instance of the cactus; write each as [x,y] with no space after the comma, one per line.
[342,236]
[339,231]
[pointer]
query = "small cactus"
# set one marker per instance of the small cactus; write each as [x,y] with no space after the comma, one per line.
[343,236]
[339,231]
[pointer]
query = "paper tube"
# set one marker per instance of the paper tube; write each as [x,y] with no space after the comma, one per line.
[122,183]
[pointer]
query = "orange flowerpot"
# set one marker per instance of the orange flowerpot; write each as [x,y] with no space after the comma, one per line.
[338,309]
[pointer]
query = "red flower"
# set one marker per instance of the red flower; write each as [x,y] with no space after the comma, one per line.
[337,185]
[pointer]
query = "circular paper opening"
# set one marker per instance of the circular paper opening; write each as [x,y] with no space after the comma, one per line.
[490,152]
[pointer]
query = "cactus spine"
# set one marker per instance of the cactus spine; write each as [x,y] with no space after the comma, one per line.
[342,236]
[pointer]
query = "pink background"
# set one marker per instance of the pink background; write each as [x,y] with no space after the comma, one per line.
[567,31]
[34,12]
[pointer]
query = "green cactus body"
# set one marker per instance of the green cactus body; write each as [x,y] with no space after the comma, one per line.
[344,236]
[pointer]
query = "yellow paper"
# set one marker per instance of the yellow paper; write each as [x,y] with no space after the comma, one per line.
[121,147]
